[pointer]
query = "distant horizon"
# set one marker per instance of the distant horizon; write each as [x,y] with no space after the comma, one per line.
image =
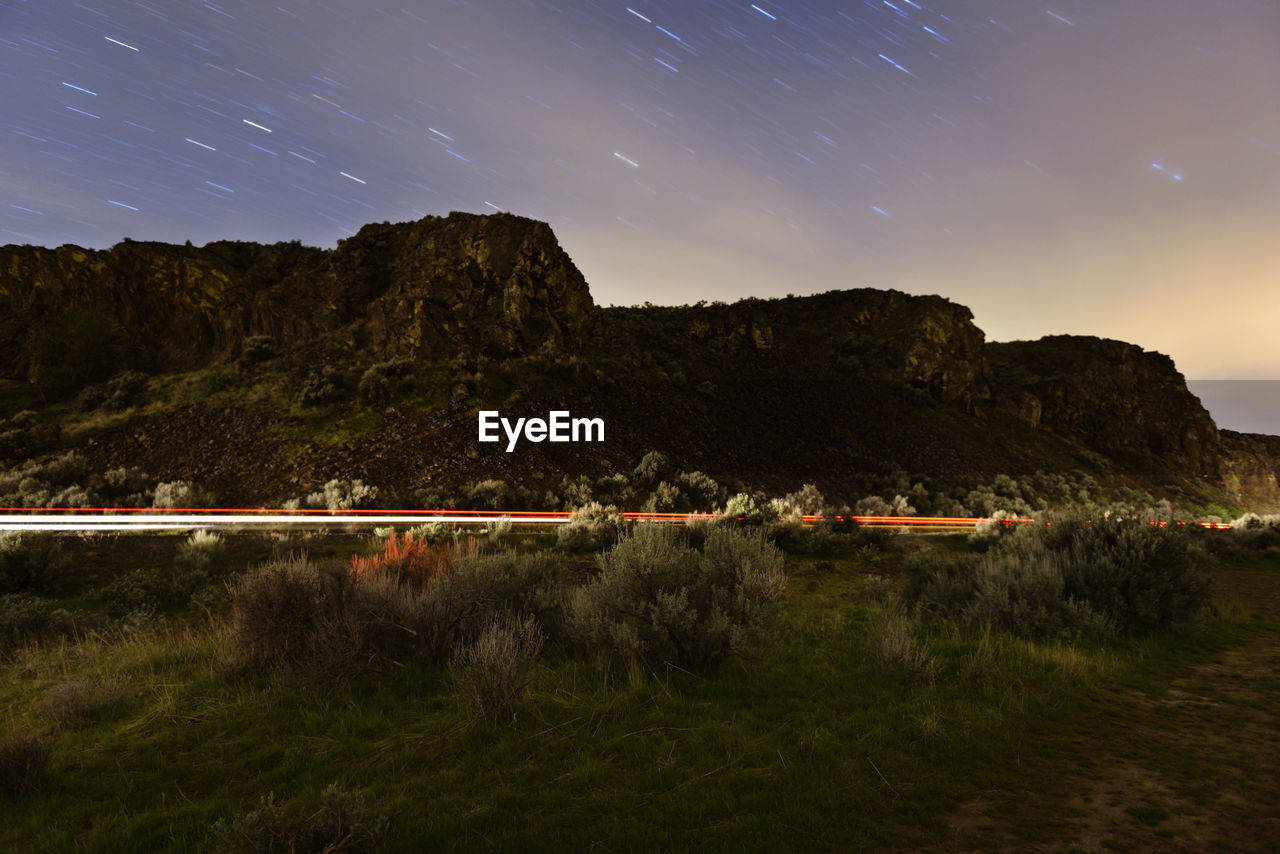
[1246,406]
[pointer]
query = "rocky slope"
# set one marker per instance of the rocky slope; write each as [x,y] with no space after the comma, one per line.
[489,311]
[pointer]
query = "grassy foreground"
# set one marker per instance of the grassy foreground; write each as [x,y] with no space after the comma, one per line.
[852,731]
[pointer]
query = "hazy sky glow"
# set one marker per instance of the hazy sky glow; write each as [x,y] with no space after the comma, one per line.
[1107,167]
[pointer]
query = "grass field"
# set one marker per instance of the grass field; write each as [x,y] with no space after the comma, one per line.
[853,730]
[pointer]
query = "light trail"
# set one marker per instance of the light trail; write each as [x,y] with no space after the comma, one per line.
[152,519]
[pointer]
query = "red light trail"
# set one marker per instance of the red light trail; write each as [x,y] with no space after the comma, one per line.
[151,518]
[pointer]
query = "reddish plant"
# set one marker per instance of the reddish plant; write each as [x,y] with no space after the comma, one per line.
[410,561]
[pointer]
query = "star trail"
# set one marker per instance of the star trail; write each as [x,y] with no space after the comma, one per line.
[1086,166]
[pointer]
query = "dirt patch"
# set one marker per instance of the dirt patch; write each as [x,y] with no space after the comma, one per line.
[1189,767]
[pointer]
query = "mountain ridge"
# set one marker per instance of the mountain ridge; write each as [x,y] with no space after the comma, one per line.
[445,315]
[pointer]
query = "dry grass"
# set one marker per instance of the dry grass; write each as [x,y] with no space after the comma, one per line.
[493,672]
[23,759]
[79,699]
[896,650]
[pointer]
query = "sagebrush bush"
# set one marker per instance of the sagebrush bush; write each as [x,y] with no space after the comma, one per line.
[31,562]
[177,494]
[25,618]
[277,609]
[590,527]
[658,600]
[320,387]
[342,824]
[653,467]
[200,551]
[987,532]
[382,381]
[1072,577]
[152,589]
[347,495]
[493,671]
[23,759]
[332,621]
[896,651]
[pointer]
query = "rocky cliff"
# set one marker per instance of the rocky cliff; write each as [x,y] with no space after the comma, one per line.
[498,284]
[1121,400]
[490,310]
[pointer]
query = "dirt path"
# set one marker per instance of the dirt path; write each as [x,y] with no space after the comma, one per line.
[1194,766]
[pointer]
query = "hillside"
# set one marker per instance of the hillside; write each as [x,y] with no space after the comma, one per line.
[261,372]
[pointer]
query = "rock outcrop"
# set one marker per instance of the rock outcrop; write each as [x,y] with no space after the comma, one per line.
[1117,398]
[498,285]
[1252,463]
[834,385]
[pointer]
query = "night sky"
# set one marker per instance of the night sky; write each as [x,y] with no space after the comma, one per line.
[1107,167]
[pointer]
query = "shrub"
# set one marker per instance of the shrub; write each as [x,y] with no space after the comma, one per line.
[666,498]
[24,436]
[30,562]
[492,672]
[199,551]
[342,824]
[384,380]
[428,532]
[321,387]
[513,585]
[895,650]
[125,389]
[1067,578]
[277,609]
[590,527]
[145,591]
[23,759]
[177,494]
[743,508]
[258,348]
[335,620]
[409,561]
[653,467]
[703,491]
[345,495]
[496,529]
[659,601]
[1255,522]
[24,618]
[488,494]
[1137,576]
[808,501]
[989,530]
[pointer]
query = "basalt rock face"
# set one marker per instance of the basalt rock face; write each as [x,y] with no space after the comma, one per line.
[1119,399]
[1251,468]
[497,285]
[500,285]
[925,343]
